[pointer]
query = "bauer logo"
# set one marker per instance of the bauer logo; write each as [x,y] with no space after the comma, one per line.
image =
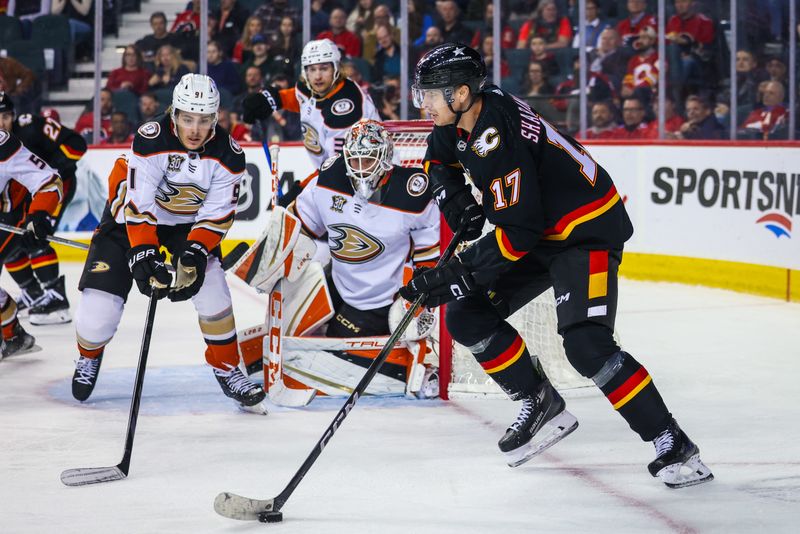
[777,223]
[342,107]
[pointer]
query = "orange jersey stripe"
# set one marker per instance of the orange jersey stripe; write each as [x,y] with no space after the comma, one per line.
[508,252]
[587,212]
[289,100]
[70,153]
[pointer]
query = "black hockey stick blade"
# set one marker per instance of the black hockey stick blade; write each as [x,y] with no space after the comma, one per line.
[234,255]
[83,476]
[242,508]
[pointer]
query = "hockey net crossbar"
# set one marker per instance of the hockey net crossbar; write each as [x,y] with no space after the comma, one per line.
[536,321]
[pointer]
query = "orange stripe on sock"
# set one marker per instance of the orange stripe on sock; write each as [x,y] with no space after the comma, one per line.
[506,358]
[90,353]
[18,265]
[220,356]
[633,385]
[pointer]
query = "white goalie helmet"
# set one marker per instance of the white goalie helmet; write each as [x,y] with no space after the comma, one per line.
[368,150]
[321,51]
[196,93]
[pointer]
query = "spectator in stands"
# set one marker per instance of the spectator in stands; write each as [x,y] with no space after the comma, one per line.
[243,49]
[86,120]
[634,125]
[148,107]
[642,75]
[777,71]
[286,48]
[260,57]
[149,44]
[362,17]
[20,83]
[81,24]
[769,121]
[340,35]
[693,35]
[610,57]
[349,70]
[222,70]
[672,120]
[389,101]
[598,88]
[540,53]
[594,27]
[271,13]
[320,17]
[536,82]
[120,130]
[187,21]
[453,29]
[387,59]
[508,38]
[131,76]
[238,130]
[487,50]
[630,27]
[748,78]
[546,23]
[231,19]
[700,121]
[253,83]
[604,121]
[169,68]
[383,17]
[418,21]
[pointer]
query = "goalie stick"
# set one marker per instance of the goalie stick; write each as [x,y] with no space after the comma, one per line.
[268,510]
[82,476]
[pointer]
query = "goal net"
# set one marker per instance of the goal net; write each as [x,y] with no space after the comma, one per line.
[460,374]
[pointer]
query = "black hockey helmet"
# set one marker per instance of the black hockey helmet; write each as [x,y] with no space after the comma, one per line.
[448,66]
[6,104]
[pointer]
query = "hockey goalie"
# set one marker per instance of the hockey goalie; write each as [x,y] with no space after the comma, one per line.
[332,262]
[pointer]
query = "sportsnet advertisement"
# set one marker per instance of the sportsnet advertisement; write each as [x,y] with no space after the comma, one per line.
[736,204]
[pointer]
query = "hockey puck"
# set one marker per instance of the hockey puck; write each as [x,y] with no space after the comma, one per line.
[270,517]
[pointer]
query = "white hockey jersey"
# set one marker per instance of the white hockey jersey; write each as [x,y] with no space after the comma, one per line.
[371,242]
[170,185]
[22,171]
[325,121]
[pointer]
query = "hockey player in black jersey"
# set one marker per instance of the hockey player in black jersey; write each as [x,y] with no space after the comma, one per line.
[36,270]
[558,221]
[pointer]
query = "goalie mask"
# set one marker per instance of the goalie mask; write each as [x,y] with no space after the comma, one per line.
[368,150]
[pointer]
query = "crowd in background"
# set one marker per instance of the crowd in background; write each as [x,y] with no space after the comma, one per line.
[249,48]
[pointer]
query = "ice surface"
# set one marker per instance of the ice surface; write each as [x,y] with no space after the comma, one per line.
[728,366]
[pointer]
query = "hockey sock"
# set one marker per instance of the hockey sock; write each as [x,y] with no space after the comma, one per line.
[506,360]
[96,321]
[20,270]
[629,388]
[90,353]
[45,266]
[219,333]
[8,313]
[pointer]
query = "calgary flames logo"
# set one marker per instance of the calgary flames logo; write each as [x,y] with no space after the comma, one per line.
[488,141]
[180,198]
[352,244]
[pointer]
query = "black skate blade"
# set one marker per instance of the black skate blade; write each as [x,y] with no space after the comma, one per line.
[559,428]
[235,506]
[83,476]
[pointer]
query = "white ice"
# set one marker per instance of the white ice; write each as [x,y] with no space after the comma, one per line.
[727,365]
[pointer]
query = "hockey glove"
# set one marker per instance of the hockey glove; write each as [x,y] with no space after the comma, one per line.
[148,269]
[37,228]
[442,284]
[460,209]
[190,271]
[260,105]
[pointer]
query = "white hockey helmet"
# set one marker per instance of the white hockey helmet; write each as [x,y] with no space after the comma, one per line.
[321,51]
[368,150]
[196,93]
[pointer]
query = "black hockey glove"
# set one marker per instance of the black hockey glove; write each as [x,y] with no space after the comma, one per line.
[37,228]
[149,270]
[460,209]
[442,284]
[260,105]
[190,271]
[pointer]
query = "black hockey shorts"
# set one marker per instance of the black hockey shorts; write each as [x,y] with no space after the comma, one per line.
[106,268]
[584,282]
[348,321]
[11,244]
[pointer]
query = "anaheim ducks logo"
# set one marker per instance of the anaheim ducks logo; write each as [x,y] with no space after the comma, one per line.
[310,138]
[180,199]
[100,267]
[486,142]
[352,244]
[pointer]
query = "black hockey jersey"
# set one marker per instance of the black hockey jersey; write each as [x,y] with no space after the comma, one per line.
[59,146]
[538,186]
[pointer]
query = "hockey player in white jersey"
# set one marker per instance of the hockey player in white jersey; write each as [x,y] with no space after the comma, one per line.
[328,103]
[181,192]
[22,172]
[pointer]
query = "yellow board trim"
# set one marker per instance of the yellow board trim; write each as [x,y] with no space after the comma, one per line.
[624,400]
[598,285]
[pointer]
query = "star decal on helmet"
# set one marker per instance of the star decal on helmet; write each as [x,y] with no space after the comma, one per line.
[458,51]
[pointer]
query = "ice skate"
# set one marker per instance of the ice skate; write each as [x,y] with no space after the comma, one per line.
[237,386]
[85,377]
[542,422]
[20,342]
[28,299]
[677,462]
[53,307]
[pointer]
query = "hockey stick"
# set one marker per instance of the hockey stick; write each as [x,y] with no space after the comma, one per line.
[51,238]
[268,510]
[94,475]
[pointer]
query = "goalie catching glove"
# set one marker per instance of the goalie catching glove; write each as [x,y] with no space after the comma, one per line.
[190,271]
[441,284]
[149,271]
